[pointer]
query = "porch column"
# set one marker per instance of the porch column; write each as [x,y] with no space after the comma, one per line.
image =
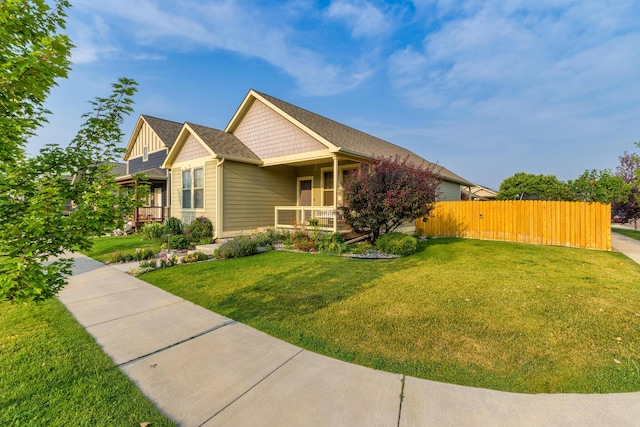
[335,193]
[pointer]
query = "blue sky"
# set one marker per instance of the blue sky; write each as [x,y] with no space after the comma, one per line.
[484,88]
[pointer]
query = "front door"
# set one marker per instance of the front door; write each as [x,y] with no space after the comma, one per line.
[304,198]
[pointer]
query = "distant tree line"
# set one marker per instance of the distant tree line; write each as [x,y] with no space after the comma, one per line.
[619,187]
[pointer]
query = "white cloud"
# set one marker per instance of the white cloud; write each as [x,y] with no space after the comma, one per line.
[363,18]
[245,29]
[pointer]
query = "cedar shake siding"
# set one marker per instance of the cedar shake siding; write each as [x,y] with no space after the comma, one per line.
[269,135]
[252,193]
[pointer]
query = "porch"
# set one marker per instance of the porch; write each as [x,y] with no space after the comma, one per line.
[146,214]
[324,218]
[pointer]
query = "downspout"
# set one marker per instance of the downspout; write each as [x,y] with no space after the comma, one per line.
[219,178]
[335,193]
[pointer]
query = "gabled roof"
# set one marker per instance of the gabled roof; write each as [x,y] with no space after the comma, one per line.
[220,144]
[338,137]
[224,144]
[166,130]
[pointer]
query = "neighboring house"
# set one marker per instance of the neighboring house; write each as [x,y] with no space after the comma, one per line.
[147,150]
[478,192]
[274,164]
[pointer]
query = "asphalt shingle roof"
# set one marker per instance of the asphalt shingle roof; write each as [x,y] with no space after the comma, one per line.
[222,143]
[166,130]
[351,140]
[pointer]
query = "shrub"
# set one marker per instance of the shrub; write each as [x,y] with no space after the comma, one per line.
[150,263]
[168,261]
[152,231]
[397,244]
[143,254]
[239,247]
[361,247]
[179,242]
[302,242]
[173,226]
[140,270]
[195,257]
[117,257]
[200,230]
[331,243]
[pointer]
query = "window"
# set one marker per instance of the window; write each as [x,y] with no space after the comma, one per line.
[193,188]
[198,188]
[327,188]
[145,154]
[186,189]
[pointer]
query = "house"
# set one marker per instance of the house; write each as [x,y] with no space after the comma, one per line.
[478,192]
[274,164]
[145,153]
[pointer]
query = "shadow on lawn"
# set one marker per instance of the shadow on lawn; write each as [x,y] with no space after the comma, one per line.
[296,292]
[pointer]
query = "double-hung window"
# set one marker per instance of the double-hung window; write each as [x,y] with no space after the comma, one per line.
[193,188]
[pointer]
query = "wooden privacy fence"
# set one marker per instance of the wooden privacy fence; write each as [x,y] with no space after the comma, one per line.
[574,224]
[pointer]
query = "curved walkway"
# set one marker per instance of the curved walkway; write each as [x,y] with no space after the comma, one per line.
[202,369]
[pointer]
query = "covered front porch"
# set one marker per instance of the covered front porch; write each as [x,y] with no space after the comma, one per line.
[318,195]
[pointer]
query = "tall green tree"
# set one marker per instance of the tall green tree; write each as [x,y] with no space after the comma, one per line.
[35,192]
[34,53]
[598,186]
[524,185]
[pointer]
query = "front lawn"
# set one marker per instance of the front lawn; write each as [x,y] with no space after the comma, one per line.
[634,234]
[505,316]
[103,247]
[52,373]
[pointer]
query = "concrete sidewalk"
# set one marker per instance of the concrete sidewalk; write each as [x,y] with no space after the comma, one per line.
[202,369]
[628,246]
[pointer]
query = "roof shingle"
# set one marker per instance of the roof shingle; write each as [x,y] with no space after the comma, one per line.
[351,140]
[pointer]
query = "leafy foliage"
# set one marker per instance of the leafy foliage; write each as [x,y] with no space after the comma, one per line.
[53,202]
[200,230]
[34,194]
[397,244]
[173,225]
[153,231]
[195,257]
[386,193]
[179,242]
[628,209]
[598,186]
[236,248]
[532,187]
[33,53]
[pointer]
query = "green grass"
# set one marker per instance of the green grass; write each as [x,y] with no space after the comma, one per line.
[505,316]
[634,234]
[52,373]
[103,247]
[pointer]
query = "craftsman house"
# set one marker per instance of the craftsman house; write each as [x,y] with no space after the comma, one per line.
[274,164]
[147,150]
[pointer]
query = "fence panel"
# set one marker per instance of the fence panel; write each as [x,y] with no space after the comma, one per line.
[574,224]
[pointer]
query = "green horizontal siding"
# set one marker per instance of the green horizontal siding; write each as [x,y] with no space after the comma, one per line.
[251,194]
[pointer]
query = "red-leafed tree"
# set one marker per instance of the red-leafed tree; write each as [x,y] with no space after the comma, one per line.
[628,209]
[387,192]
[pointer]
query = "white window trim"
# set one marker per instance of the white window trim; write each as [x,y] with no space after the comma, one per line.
[341,170]
[145,153]
[190,168]
[303,178]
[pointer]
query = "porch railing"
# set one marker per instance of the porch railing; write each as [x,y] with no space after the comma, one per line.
[307,216]
[151,214]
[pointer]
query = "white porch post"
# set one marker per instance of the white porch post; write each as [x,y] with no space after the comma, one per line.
[335,193]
